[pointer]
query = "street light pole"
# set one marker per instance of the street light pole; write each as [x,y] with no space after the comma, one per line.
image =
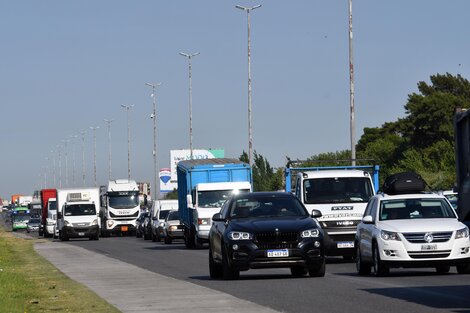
[109,147]
[53,168]
[65,141]
[94,151]
[351,90]
[83,157]
[73,158]
[250,136]
[60,166]
[128,107]
[190,56]
[154,117]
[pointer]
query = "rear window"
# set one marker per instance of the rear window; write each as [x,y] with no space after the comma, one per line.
[404,209]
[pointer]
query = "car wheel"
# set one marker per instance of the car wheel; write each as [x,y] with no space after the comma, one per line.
[188,238]
[380,269]
[463,268]
[442,269]
[158,238]
[298,271]
[153,238]
[228,271]
[198,244]
[317,270]
[362,267]
[167,240]
[215,270]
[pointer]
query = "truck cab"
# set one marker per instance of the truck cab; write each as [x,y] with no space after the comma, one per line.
[51,219]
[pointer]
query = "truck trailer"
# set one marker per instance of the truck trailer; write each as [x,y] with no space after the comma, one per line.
[203,187]
[462,159]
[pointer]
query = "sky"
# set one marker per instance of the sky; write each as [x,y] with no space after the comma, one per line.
[68,65]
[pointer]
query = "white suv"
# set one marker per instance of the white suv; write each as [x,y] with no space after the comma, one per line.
[411,230]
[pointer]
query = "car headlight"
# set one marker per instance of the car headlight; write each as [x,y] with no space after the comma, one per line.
[203,221]
[66,223]
[161,224]
[95,222]
[388,235]
[461,233]
[310,233]
[173,227]
[239,235]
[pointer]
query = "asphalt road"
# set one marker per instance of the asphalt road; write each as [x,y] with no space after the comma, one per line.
[341,290]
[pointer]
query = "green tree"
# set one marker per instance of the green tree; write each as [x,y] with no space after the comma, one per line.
[265,178]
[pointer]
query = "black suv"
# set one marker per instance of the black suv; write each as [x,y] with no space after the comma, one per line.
[265,230]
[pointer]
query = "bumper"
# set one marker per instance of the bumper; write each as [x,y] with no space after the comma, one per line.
[247,255]
[405,254]
[176,234]
[121,226]
[73,232]
[50,229]
[34,228]
[203,232]
[340,244]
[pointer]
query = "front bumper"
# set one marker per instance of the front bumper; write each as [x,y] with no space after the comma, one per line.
[246,255]
[340,243]
[121,226]
[75,232]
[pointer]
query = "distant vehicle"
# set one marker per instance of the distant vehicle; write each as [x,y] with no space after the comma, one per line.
[46,194]
[33,224]
[341,194]
[51,219]
[19,218]
[410,228]
[147,227]
[172,227]
[203,187]
[159,212]
[264,230]
[139,224]
[120,207]
[78,213]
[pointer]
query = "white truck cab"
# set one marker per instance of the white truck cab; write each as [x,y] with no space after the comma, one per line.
[51,220]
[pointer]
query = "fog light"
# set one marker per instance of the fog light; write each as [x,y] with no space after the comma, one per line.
[387,252]
[316,244]
[235,247]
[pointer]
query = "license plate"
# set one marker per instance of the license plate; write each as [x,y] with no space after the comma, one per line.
[347,244]
[428,247]
[278,253]
[124,228]
[81,234]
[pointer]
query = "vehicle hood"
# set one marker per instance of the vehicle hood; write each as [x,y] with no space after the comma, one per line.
[270,224]
[421,225]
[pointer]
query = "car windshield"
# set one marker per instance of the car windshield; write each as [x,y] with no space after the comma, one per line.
[337,190]
[123,200]
[267,207]
[79,209]
[163,214]
[405,209]
[34,221]
[21,218]
[173,215]
[53,205]
[215,198]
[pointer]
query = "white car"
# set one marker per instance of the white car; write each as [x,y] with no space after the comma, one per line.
[411,230]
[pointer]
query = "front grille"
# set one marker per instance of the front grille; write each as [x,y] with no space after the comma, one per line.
[78,225]
[111,214]
[276,240]
[340,224]
[429,254]
[419,237]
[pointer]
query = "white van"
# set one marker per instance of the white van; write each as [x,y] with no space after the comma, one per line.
[159,211]
[51,220]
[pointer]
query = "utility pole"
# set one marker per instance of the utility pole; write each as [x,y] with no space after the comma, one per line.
[83,157]
[109,147]
[94,151]
[190,56]
[60,166]
[250,128]
[154,117]
[351,89]
[73,158]
[53,169]
[65,141]
[128,107]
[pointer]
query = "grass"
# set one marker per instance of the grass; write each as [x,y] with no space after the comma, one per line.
[29,283]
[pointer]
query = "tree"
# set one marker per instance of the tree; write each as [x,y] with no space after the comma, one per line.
[265,178]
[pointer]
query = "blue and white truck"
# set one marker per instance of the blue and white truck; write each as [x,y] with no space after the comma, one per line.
[341,194]
[203,187]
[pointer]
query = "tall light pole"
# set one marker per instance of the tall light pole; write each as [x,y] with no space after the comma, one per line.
[154,117]
[65,141]
[72,137]
[83,157]
[109,146]
[94,151]
[190,56]
[351,90]
[250,136]
[53,168]
[60,166]
[128,107]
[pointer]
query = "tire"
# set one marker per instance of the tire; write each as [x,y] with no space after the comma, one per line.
[463,268]
[198,244]
[317,270]
[380,269]
[153,238]
[228,271]
[215,269]
[158,238]
[361,267]
[442,269]
[188,238]
[298,271]
[168,240]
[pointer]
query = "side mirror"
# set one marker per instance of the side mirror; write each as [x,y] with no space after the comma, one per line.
[316,214]
[368,219]
[189,200]
[59,215]
[217,217]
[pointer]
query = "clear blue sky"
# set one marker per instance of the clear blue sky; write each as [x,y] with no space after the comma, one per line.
[67,65]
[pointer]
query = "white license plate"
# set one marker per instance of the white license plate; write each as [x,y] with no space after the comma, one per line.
[278,253]
[346,244]
[428,247]
[81,234]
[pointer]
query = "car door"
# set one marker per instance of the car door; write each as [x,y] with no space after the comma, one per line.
[368,231]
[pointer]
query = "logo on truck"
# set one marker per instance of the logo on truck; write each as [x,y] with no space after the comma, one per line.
[342,208]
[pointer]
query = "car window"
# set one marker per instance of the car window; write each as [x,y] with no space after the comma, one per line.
[267,207]
[415,209]
[369,207]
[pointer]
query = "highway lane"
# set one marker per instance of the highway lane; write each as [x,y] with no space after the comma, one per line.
[341,290]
